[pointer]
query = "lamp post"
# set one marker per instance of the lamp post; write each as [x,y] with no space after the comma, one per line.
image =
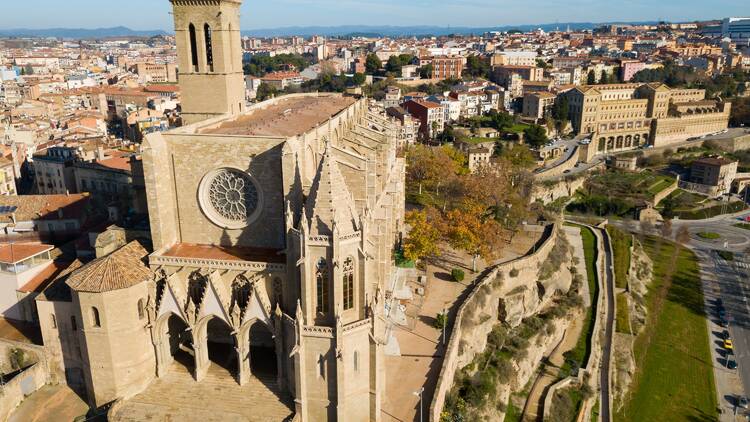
[419,394]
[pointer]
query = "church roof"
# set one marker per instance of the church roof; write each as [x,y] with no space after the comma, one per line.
[330,202]
[121,269]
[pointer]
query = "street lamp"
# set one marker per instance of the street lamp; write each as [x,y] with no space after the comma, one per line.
[419,394]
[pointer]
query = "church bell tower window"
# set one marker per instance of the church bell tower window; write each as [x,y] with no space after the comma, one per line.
[193,48]
[208,35]
[348,284]
[321,286]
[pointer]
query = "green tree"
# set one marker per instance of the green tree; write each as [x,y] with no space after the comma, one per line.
[425,72]
[358,78]
[542,63]
[477,66]
[591,79]
[266,91]
[373,64]
[535,135]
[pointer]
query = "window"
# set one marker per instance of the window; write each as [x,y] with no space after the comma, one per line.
[322,286]
[322,367]
[348,284]
[95,321]
[209,47]
[141,310]
[356,361]
[73,324]
[53,320]
[193,48]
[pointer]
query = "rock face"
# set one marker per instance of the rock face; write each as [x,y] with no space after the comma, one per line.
[639,278]
[510,299]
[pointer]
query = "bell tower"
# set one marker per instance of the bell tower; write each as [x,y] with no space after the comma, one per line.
[210,58]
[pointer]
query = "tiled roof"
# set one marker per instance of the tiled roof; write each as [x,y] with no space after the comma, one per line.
[119,270]
[58,290]
[44,207]
[10,253]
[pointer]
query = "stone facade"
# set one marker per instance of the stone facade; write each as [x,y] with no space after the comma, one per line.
[622,117]
[210,58]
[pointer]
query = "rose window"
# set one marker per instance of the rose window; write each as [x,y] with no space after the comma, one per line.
[229,197]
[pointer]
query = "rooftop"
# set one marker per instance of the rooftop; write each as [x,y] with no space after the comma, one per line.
[119,270]
[42,207]
[285,117]
[224,253]
[11,253]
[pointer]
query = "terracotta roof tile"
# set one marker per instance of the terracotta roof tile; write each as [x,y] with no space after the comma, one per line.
[119,270]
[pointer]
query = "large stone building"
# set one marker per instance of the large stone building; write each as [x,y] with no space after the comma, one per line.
[621,117]
[273,230]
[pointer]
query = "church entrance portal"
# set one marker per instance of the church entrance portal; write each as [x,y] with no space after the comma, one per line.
[221,346]
[262,351]
[180,342]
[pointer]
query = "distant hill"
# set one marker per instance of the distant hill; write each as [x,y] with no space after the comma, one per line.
[400,31]
[79,33]
[306,31]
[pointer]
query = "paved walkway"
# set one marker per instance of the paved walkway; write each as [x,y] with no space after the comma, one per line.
[218,398]
[50,403]
[420,343]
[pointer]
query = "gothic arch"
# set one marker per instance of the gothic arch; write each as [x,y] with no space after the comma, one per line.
[208,39]
[193,42]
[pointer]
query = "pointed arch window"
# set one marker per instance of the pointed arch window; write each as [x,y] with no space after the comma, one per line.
[208,36]
[348,283]
[141,309]
[321,284]
[193,47]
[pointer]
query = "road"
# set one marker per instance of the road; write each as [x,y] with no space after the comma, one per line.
[729,281]
[608,329]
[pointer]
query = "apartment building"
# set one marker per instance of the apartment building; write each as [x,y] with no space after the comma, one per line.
[502,74]
[537,105]
[514,58]
[156,73]
[447,67]
[7,176]
[430,115]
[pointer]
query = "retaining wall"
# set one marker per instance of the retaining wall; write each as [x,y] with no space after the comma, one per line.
[455,358]
[25,383]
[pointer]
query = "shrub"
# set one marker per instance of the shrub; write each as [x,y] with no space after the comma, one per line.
[441,320]
[458,275]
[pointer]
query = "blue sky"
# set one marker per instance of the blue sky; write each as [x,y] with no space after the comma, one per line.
[154,14]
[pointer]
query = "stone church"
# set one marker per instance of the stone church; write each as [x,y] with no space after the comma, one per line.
[273,228]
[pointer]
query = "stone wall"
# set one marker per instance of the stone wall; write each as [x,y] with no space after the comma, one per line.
[479,312]
[547,192]
[666,192]
[560,169]
[25,383]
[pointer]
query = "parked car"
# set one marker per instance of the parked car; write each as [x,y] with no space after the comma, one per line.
[731,364]
[728,344]
[742,402]
[725,335]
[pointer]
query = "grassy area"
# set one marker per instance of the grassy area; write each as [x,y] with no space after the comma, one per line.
[623,314]
[579,355]
[512,413]
[595,411]
[621,243]
[674,379]
[745,226]
[659,184]
[726,255]
[700,214]
[516,128]
[709,235]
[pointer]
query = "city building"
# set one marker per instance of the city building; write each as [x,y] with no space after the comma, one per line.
[620,117]
[537,105]
[717,172]
[22,267]
[446,67]
[431,117]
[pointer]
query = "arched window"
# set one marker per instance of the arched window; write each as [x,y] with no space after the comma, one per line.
[348,283]
[53,320]
[95,321]
[321,284]
[278,292]
[209,47]
[141,310]
[356,361]
[322,367]
[193,48]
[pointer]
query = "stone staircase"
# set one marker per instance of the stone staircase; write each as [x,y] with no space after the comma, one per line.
[177,397]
